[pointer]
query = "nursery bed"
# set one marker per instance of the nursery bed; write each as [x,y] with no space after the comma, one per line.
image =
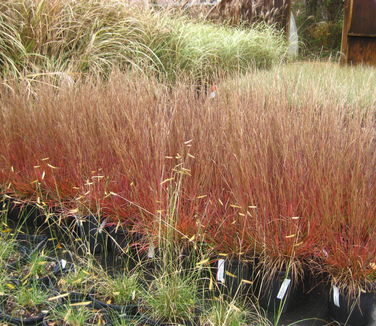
[270,175]
[313,311]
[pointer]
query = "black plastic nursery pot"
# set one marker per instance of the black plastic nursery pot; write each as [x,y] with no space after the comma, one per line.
[145,320]
[191,253]
[8,315]
[351,311]
[279,294]
[126,310]
[33,242]
[122,242]
[130,310]
[105,321]
[118,238]
[25,215]
[100,237]
[19,320]
[92,234]
[57,268]
[127,249]
[233,276]
[61,267]
[34,321]
[78,298]
[21,256]
[25,245]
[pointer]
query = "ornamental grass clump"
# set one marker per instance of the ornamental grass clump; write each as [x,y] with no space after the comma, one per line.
[122,289]
[25,301]
[301,163]
[68,40]
[230,313]
[8,252]
[100,167]
[75,316]
[349,259]
[172,298]
[77,280]
[205,50]
[267,166]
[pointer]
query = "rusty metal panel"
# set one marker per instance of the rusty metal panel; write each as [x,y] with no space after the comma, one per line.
[361,50]
[363,16]
[359,32]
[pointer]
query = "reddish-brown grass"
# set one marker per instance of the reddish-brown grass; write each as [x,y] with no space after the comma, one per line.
[250,170]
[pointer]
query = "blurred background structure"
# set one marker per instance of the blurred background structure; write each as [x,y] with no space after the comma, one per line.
[343,29]
[359,32]
[317,23]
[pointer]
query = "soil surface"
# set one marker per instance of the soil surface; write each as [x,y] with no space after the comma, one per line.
[96,319]
[47,270]
[14,257]
[11,308]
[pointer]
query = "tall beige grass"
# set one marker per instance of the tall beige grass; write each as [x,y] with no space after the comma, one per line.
[72,39]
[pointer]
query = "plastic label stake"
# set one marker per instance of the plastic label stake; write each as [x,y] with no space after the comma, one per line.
[283,289]
[336,296]
[63,263]
[221,271]
[151,251]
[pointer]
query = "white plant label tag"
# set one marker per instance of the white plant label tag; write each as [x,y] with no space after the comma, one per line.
[102,226]
[63,263]
[221,270]
[283,289]
[151,251]
[336,296]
